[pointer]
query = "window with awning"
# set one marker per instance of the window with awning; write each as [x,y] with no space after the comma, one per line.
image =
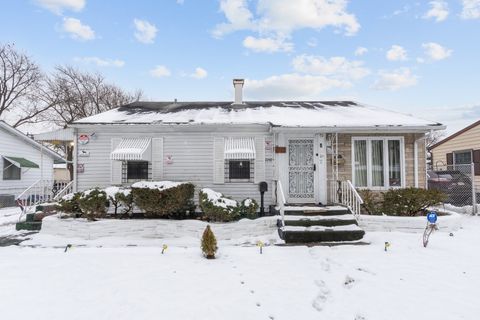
[239,148]
[132,149]
[12,167]
[21,162]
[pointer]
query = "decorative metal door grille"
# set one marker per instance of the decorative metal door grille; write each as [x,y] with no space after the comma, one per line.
[301,169]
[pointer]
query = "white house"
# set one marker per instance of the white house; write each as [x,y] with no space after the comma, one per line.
[23,162]
[300,148]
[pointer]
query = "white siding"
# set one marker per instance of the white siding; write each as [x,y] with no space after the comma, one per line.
[14,146]
[157,158]
[191,154]
[116,166]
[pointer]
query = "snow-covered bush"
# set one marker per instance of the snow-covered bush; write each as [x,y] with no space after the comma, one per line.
[248,208]
[410,201]
[401,202]
[164,198]
[69,203]
[93,203]
[120,198]
[216,207]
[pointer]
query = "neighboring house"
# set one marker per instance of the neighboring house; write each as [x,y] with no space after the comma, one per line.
[23,161]
[232,147]
[458,151]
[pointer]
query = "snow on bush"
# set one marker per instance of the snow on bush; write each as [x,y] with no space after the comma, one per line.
[164,199]
[217,207]
[120,198]
[158,185]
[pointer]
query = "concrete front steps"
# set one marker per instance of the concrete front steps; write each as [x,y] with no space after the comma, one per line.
[310,224]
[33,221]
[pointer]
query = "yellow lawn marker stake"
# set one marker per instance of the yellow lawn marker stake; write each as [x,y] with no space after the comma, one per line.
[260,245]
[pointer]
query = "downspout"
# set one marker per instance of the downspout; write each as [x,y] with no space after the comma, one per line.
[415,162]
[75,160]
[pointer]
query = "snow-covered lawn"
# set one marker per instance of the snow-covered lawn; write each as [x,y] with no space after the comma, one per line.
[293,282]
[8,218]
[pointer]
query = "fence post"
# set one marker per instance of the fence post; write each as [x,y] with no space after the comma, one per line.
[474,194]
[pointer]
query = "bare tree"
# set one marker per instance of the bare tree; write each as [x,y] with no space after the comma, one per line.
[74,94]
[80,94]
[21,88]
[433,137]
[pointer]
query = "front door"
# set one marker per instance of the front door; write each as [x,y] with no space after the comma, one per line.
[301,170]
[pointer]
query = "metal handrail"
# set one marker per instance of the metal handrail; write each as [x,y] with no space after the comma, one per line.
[38,192]
[343,192]
[282,201]
[66,190]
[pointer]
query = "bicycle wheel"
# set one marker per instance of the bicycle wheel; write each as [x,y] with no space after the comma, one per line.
[426,235]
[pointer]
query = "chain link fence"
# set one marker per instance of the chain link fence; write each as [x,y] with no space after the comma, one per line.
[458,183]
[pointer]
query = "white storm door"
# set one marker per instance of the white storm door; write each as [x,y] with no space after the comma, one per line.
[301,170]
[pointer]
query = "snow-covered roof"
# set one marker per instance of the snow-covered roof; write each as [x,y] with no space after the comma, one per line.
[277,113]
[13,131]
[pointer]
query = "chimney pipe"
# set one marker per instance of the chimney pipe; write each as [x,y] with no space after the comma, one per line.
[238,85]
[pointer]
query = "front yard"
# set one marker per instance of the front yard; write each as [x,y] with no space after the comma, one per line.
[292,282]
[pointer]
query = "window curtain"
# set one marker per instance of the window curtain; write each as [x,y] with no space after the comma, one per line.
[377,163]
[360,153]
[394,167]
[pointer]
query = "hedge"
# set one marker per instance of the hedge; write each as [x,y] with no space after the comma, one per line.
[164,199]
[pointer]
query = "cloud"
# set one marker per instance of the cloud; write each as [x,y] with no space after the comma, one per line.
[396,53]
[77,30]
[336,67]
[180,1]
[394,80]
[471,9]
[291,86]
[58,6]
[268,45]
[438,10]
[436,52]
[360,51]
[199,73]
[278,19]
[238,15]
[99,62]
[145,31]
[160,72]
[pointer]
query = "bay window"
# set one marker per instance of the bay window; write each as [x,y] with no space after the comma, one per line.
[377,162]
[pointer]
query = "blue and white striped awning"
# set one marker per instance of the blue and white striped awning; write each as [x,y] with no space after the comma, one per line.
[239,148]
[132,149]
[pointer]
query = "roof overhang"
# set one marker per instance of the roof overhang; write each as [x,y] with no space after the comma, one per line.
[30,141]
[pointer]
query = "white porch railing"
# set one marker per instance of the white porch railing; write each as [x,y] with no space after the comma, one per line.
[63,189]
[343,192]
[42,191]
[39,192]
[281,201]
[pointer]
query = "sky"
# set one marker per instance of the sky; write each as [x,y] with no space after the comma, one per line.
[417,57]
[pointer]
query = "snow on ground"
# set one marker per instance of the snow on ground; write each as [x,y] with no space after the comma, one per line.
[8,218]
[285,282]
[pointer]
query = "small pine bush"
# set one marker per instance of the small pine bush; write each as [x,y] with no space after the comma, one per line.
[248,208]
[70,203]
[93,203]
[125,201]
[209,243]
